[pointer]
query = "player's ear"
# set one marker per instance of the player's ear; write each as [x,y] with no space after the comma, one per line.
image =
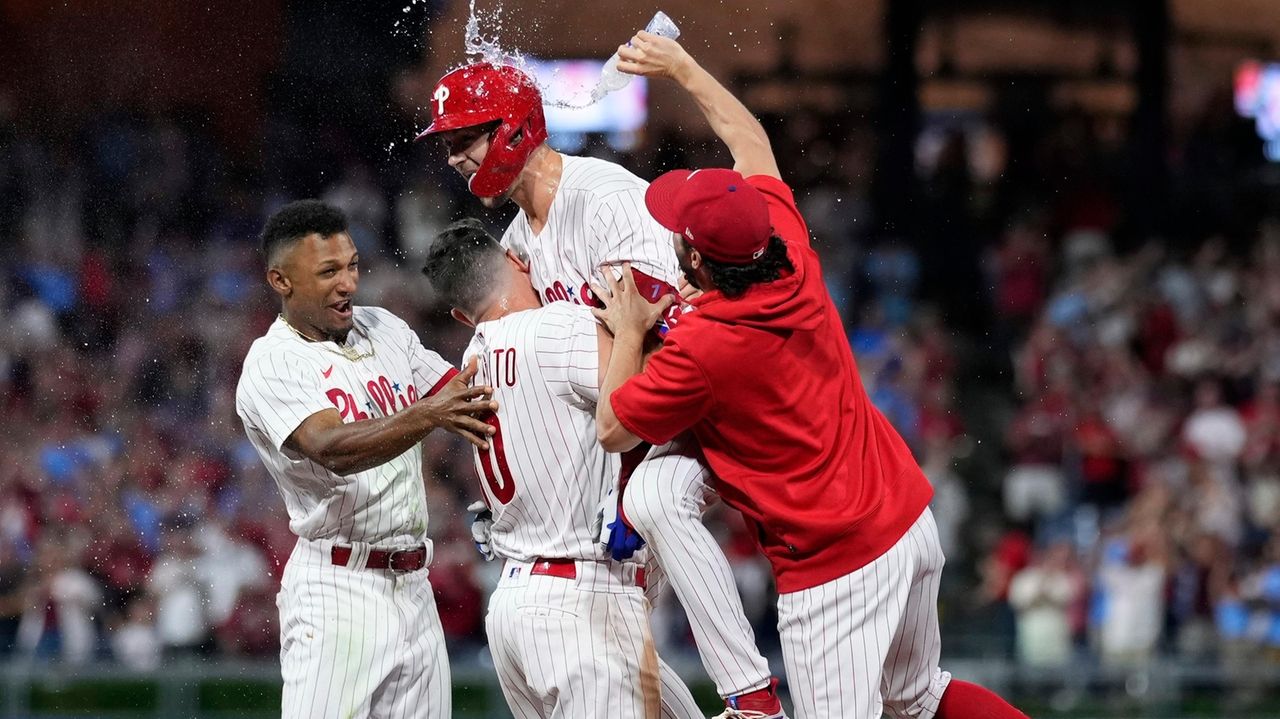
[519,263]
[457,315]
[279,282]
[695,259]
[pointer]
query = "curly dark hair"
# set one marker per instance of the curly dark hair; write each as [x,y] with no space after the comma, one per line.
[734,280]
[295,221]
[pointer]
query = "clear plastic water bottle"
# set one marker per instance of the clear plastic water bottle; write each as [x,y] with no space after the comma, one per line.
[611,78]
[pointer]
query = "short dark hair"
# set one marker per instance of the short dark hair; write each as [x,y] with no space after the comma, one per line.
[298,219]
[734,280]
[462,264]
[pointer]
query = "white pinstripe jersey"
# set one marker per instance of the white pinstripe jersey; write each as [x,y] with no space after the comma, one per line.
[545,473]
[597,216]
[286,379]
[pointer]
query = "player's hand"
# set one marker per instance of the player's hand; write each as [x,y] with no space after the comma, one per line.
[653,56]
[482,528]
[625,309]
[457,406]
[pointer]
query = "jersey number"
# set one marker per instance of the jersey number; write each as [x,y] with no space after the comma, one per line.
[501,483]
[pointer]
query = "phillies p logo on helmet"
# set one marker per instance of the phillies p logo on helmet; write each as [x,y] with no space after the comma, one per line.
[440,95]
[482,93]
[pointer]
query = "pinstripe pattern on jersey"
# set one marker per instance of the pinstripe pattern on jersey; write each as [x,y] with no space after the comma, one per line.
[868,642]
[359,642]
[579,648]
[286,379]
[355,642]
[597,217]
[534,360]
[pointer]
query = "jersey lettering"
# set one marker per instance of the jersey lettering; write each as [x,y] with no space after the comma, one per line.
[385,393]
[504,365]
[345,402]
[560,291]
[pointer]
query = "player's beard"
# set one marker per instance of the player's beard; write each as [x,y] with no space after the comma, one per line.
[336,332]
[330,327]
[686,268]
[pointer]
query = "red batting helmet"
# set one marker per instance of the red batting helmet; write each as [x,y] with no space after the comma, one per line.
[481,93]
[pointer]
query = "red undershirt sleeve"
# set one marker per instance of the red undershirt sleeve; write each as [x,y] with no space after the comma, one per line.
[671,395]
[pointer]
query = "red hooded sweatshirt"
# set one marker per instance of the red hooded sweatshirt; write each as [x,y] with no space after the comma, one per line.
[768,385]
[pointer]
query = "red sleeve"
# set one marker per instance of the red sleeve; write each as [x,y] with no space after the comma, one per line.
[787,222]
[444,379]
[670,396]
[652,289]
[649,286]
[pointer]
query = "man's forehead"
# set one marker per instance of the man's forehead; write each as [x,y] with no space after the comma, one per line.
[326,247]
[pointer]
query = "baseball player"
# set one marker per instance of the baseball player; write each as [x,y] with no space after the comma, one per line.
[336,399]
[763,375]
[568,628]
[576,216]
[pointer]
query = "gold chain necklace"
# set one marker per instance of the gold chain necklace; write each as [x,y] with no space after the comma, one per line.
[351,353]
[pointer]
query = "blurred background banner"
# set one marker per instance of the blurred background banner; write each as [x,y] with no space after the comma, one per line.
[1053,229]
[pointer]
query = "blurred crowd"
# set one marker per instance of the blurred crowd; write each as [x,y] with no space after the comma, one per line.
[1100,416]
[1143,483]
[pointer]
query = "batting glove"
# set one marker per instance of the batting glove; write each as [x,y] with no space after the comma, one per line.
[612,531]
[482,529]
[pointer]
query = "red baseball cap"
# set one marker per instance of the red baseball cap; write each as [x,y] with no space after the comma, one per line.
[716,211]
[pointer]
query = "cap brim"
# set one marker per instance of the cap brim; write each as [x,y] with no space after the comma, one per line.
[455,122]
[660,198]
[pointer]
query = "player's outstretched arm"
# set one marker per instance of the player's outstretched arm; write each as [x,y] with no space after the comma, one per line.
[654,56]
[628,316]
[350,448]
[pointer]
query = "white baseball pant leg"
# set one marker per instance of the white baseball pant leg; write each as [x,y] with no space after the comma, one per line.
[358,642]
[574,648]
[867,643]
[677,701]
[664,500]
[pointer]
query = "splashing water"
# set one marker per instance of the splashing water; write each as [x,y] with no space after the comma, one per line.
[404,26]
[576,101]
[480,48]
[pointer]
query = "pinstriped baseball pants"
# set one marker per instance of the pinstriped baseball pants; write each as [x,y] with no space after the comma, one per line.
[580,648]
[664,501]
[359,642]
[868,642]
